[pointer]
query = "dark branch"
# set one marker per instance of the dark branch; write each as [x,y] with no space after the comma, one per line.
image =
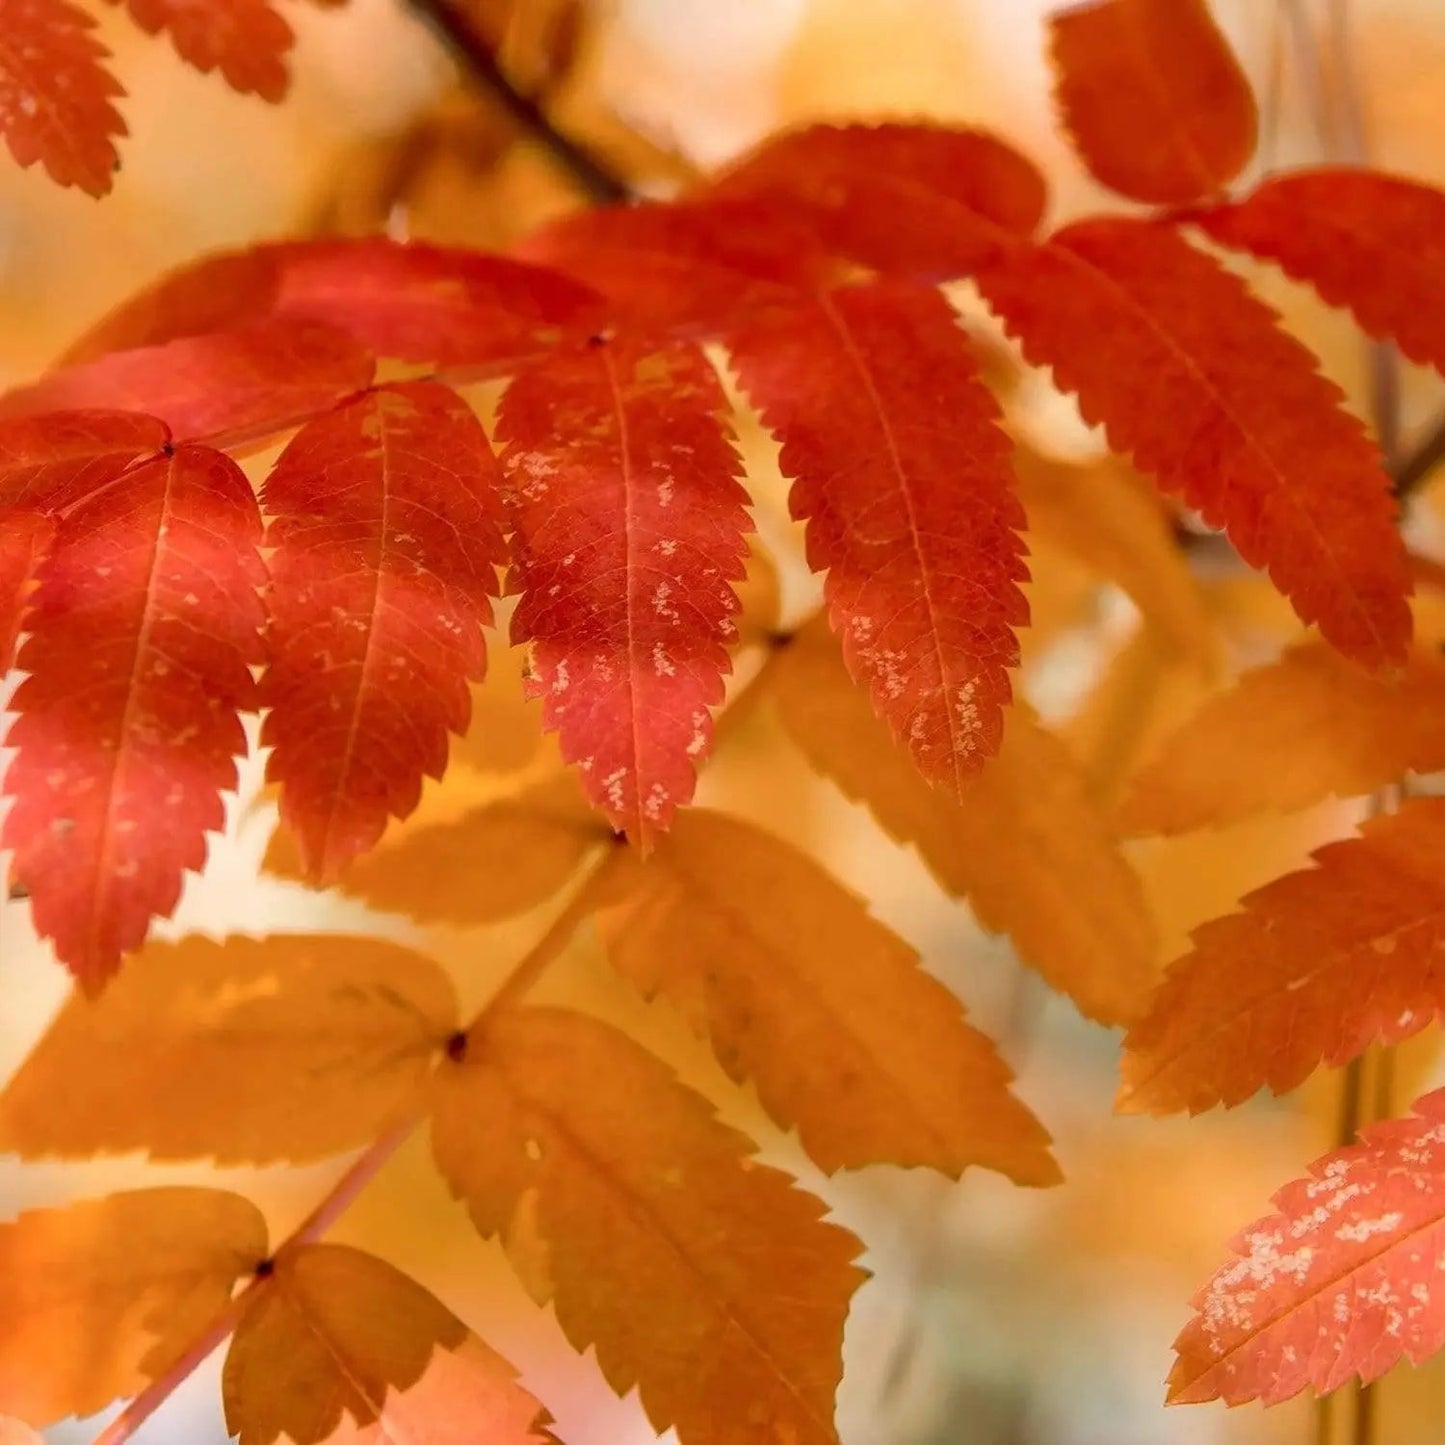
[474,56]
[1417,465]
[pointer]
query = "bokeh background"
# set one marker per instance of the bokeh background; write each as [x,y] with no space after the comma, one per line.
[995,1316]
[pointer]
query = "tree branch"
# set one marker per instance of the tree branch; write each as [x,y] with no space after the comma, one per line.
[1413,469]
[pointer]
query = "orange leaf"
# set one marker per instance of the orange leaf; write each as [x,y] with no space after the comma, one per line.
[630,527]
[337,1346]
[1343,1281]
[699,1275]
[246,40]
[142,633]
[1153,97]
[285,1048]
[1370,242]
[1317,966]
[56,460]
[1192,377]
[1290,734]
[55,95]
[828,1011]
[902,475]
[1025,845]
[100,1297]
[385,528]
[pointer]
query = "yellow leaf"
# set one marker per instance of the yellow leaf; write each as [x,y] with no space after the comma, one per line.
[760,594]
[505,732]
[701,1276]
[338,1346]
[100,1297]
[801,990]
[16,1432]
[285,1048]
[1026,846]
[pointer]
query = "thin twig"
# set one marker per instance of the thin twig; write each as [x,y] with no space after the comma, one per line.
[1412,470]
[592,174]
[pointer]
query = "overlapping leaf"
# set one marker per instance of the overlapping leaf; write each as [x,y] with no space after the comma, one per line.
[1153,98]
[1344,1280]
[1192,377]
[828,1011]
[337,1346]
[629,531]
[620,1199]
[246,40]
[103,1296]
[385,528]
[142,633]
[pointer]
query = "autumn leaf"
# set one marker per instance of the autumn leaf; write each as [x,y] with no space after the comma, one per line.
[1370,242]
[902,475]
[257,1050]
[825,1009]
[103,1295]
[1191,377]
[621,1199]
[25,539]
[1152,97]
[55,93]
[51,462]
[337,1346]
[1339,1282]
[246,40]
[386,531]
[1023,825]
[142,633]
[629,530]
[1290,734]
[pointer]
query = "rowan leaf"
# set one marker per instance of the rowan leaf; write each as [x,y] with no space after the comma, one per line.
[1342,1281]
[1192,377]
[1364,240]
[228,388]
[56,94]
[102,1296]
[25,539]
[1025,844]
[902,476]
[142,632]
[1289,734]
[629,531]
[338,1346]
[1153,97]
[52,462]
[246,40]
[826,1009]
[290,1047]
[657,1237]
[386,531]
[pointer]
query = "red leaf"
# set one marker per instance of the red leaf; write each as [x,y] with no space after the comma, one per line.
[1154,99]
[1344,1280]
[916,200]
[230,387]
[25,539]
[141,635]
[1193,377]
[629,531]
[1370,242]
[55,95]
[386,526]
[53,461]
[245,39]
[903,477]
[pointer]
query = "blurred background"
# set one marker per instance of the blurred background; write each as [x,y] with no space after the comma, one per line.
[996,1316]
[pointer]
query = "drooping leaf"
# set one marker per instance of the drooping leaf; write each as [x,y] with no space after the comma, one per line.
[1315,967]
[284,1048]
[1192,377]
[1153,98]
[338,1346]
[229,387]
[697,1274]
[903,478]
[1344,1280]
[142,633]
[1290,734]
[1025,844]
[630,528]
[56,94]
[1371,242]
[827,1010]
[385,528]
[25,538]
[100,1297]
